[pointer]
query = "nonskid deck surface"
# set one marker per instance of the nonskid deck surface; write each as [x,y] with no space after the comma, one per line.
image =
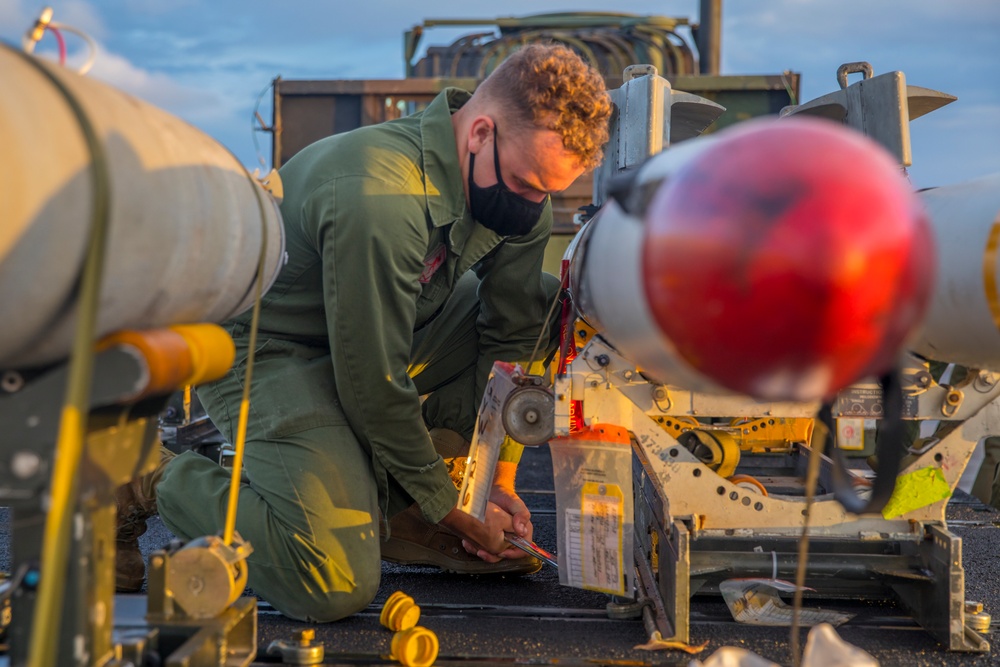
[534,620]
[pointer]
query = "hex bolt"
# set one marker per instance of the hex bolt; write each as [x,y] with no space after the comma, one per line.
[25,464]
[11,381]
[300,651]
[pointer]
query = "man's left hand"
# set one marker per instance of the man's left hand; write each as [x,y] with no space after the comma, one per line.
[503,495]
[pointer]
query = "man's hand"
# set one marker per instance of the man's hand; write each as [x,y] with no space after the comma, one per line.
[505,512]
[484,539]
[506,498]
[502,495]
[511,503]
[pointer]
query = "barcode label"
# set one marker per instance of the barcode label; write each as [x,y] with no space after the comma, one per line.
[592,471]
[594,540]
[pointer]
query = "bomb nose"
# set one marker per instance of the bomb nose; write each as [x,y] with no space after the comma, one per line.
[788,260]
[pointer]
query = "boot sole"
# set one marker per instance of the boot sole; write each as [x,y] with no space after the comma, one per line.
[128,585]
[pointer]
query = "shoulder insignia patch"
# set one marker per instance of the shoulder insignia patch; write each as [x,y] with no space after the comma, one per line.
[433,262]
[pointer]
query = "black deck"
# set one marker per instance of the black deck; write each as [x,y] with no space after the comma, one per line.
[534,620]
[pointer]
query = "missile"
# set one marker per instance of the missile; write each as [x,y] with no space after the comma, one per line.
[963,320]
[187,226]
[783,259]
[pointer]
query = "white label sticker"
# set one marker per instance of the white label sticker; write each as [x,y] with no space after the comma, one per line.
[594,541]
[488,436]
[851,433]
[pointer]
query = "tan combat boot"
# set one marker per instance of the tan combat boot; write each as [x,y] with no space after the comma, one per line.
[454,449]
[416,541]
[136,502]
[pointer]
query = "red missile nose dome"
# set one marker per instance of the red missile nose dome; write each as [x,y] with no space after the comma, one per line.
[788,260]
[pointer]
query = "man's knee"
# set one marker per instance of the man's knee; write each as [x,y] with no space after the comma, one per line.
[321,587]
[317,606]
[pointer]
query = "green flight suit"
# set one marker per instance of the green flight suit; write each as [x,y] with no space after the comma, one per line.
[391,291]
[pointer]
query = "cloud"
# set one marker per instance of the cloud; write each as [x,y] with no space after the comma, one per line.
[949,47]
[81,15]
[18,16]
[195,103]
[207,61]
[955,144]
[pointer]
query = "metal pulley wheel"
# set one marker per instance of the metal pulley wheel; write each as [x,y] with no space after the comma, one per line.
[529,415]
[748,483]
[206,575]
[716,449]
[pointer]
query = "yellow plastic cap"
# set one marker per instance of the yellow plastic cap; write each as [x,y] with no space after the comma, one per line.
[399,612]
[416,647]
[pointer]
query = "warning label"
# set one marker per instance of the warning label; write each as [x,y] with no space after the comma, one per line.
[867,402]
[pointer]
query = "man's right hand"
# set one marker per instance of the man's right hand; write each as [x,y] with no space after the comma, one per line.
[484,539]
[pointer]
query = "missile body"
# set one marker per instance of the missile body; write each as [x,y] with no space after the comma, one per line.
[186,222]
[781,259]
[963,322]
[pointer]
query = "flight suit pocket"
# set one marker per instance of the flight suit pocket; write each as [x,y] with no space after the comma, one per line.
[293,389]
[430,301]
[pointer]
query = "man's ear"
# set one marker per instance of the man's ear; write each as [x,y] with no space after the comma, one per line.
[480,133]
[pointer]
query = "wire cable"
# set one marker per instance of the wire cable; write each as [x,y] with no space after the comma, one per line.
[57,33]
[548,319]
[812,476]
[241,428]
[91,45]
[73,420]
[890,449]
[45,23]
[254,118]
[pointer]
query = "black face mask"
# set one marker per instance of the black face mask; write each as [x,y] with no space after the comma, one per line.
[498,208]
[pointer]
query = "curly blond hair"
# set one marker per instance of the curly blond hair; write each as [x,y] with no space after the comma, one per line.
[551,87]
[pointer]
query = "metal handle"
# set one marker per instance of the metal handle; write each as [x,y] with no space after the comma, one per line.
[862,68]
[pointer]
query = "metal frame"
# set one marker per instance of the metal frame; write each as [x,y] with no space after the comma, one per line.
[228,640]
[121,444]
[694,528]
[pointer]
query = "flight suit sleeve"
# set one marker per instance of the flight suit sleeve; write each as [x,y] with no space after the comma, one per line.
[513,306]
[373,240]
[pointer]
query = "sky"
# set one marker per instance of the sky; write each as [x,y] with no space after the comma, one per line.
[209,62]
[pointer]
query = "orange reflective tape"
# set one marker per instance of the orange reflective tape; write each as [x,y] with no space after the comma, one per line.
[212,351]
[990,272]
[602,433]
[166,353]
